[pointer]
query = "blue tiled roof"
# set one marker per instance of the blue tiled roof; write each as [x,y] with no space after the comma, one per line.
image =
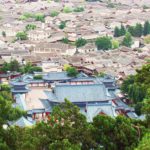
[16,83]
[20,101]
[56,76]
[94,110]
[22,122]
[80,93]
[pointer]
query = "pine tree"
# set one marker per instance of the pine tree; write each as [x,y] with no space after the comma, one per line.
[138,31]
[146,29]
[122,30]
[116,32]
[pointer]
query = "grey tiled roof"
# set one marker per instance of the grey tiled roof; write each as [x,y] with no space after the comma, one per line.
[22,122]
[80,93]
[56,76]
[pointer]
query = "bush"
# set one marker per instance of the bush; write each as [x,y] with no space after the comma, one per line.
[21,36]
[67,9]
[54,13]
[39,17]
[115,44]
[62,25]
[35,69]
[72,71]
[30,27]
[147,39]
[80,42]
[78,9]
[65,40]
[103,43]
[38,77]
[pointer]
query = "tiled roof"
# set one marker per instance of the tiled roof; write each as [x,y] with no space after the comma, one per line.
[81,93]
[22,122]
[56,76]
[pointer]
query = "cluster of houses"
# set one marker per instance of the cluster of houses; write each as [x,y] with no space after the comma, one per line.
[45,47]
[93,95]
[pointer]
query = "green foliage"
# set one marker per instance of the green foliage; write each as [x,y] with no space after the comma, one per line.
[116,32]
[38,77]
[30,27]
[145,143]
[119,31]
[110,5]
[138,30]
[78,9]
[25,16]
[3,33]
[62,25]
[72,71]
[5,87]
[114,134]
[21,36]
[138,108]
[146,29]
[127,41]
[80,42]
[54,13]
[68,129]
[115,44]
[65,40]
[137,87]
[7,113]
[39,17]
[145,7]
[67,9]
[147,39]
[35,69]
[29,68]
[12,66]
[103,43]
[101,74]
[146,110]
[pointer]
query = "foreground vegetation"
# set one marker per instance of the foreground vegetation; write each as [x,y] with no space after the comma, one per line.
[67,129]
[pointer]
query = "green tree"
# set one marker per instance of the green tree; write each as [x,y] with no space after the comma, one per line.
[115,44]
[35,69]
[67,9]
[138,31]
[122,30]
[65,40]
[116,32]
[144,143]
[127,41]
[131,30]
[80,42]
[146,29]
[146,110]
[14,65]
[39,17]
[118,133]
[78,9]
[103,43]
[5,67]
[30,27]
[21,36]
[62,25]
[3,33]
[72,71]
[54,13]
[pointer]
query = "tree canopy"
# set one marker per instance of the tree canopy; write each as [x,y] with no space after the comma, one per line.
[103,43]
